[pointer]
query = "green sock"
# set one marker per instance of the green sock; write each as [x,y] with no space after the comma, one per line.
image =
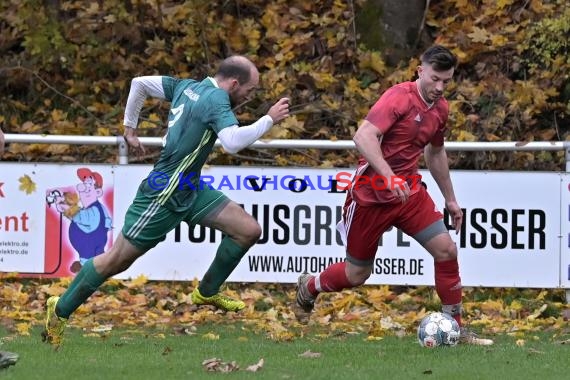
[82,286]
[227,259]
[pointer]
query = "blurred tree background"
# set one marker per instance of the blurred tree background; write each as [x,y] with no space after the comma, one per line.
[66,66]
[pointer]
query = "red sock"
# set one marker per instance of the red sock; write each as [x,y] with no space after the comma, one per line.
[332,279]
[448,287]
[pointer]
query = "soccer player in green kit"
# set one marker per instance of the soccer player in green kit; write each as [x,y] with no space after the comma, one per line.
[201,112]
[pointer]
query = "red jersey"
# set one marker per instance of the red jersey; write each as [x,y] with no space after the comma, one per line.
[408,124]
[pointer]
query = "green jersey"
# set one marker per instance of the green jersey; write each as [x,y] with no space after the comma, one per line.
[199,110]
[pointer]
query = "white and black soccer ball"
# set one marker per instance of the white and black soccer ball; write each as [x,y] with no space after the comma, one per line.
[438,329]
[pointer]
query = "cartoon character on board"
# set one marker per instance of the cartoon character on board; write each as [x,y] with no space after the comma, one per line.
[90,220]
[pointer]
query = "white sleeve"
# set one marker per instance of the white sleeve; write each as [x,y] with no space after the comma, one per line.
[141,88]
[236,138]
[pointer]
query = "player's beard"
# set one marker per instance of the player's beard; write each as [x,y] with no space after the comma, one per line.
[234,101]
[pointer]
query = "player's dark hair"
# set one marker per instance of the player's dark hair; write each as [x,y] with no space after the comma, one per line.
[439,57]
[236,67]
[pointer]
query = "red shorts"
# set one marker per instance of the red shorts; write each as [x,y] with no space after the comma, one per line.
[365,224]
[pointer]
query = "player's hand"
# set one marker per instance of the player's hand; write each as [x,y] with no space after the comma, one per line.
[279,110]
[133,141]
[456,214]
[401,190]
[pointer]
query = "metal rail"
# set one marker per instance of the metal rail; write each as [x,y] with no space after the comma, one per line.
[289,144]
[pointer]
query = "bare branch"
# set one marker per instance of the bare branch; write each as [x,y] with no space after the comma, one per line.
[51,88]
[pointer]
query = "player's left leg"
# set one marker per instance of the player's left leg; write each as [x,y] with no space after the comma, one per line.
[424,223]
[448,282]
[213,209]
[146,224]
[92,275]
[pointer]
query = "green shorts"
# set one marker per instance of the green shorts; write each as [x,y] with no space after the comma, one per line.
[147,222]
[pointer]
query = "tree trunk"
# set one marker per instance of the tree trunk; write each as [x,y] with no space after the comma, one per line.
[392,26]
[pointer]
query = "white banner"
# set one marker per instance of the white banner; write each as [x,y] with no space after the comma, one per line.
[52,217]
[511,234]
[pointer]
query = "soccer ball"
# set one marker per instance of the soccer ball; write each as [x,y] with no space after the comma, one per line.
[438,329]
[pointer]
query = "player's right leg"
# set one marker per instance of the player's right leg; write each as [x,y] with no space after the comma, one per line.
[213,209]
[361,229]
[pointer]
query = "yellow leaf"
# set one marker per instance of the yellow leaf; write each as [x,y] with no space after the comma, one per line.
[504,3]
[26,184]
[154,117]
[374,61]
[461,55]
[57,115]
[57,149]
[29,127]
[210,336]
[479,35]
[292,123]
[537,313]
[281,161]
[145,124]
[466,136]
[281,336]
[537,6]
[323,80]
[103,131]
[461,3]
[498,40]
[331,103]
[541,295]
[520,342]
[139,281]
[516,305]
[23,328]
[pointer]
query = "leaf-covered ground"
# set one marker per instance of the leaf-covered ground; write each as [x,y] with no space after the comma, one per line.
[374,310]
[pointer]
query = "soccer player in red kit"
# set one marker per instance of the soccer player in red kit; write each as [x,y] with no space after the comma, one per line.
[409,119]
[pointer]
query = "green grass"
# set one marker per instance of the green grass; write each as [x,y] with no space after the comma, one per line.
[129,354]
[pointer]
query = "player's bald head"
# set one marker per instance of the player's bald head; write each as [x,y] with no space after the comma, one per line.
[237,67]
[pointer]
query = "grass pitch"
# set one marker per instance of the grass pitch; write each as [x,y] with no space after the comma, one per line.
[162,354]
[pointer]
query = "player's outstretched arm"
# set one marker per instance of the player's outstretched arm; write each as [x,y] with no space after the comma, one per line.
[236,138]
[279,110]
